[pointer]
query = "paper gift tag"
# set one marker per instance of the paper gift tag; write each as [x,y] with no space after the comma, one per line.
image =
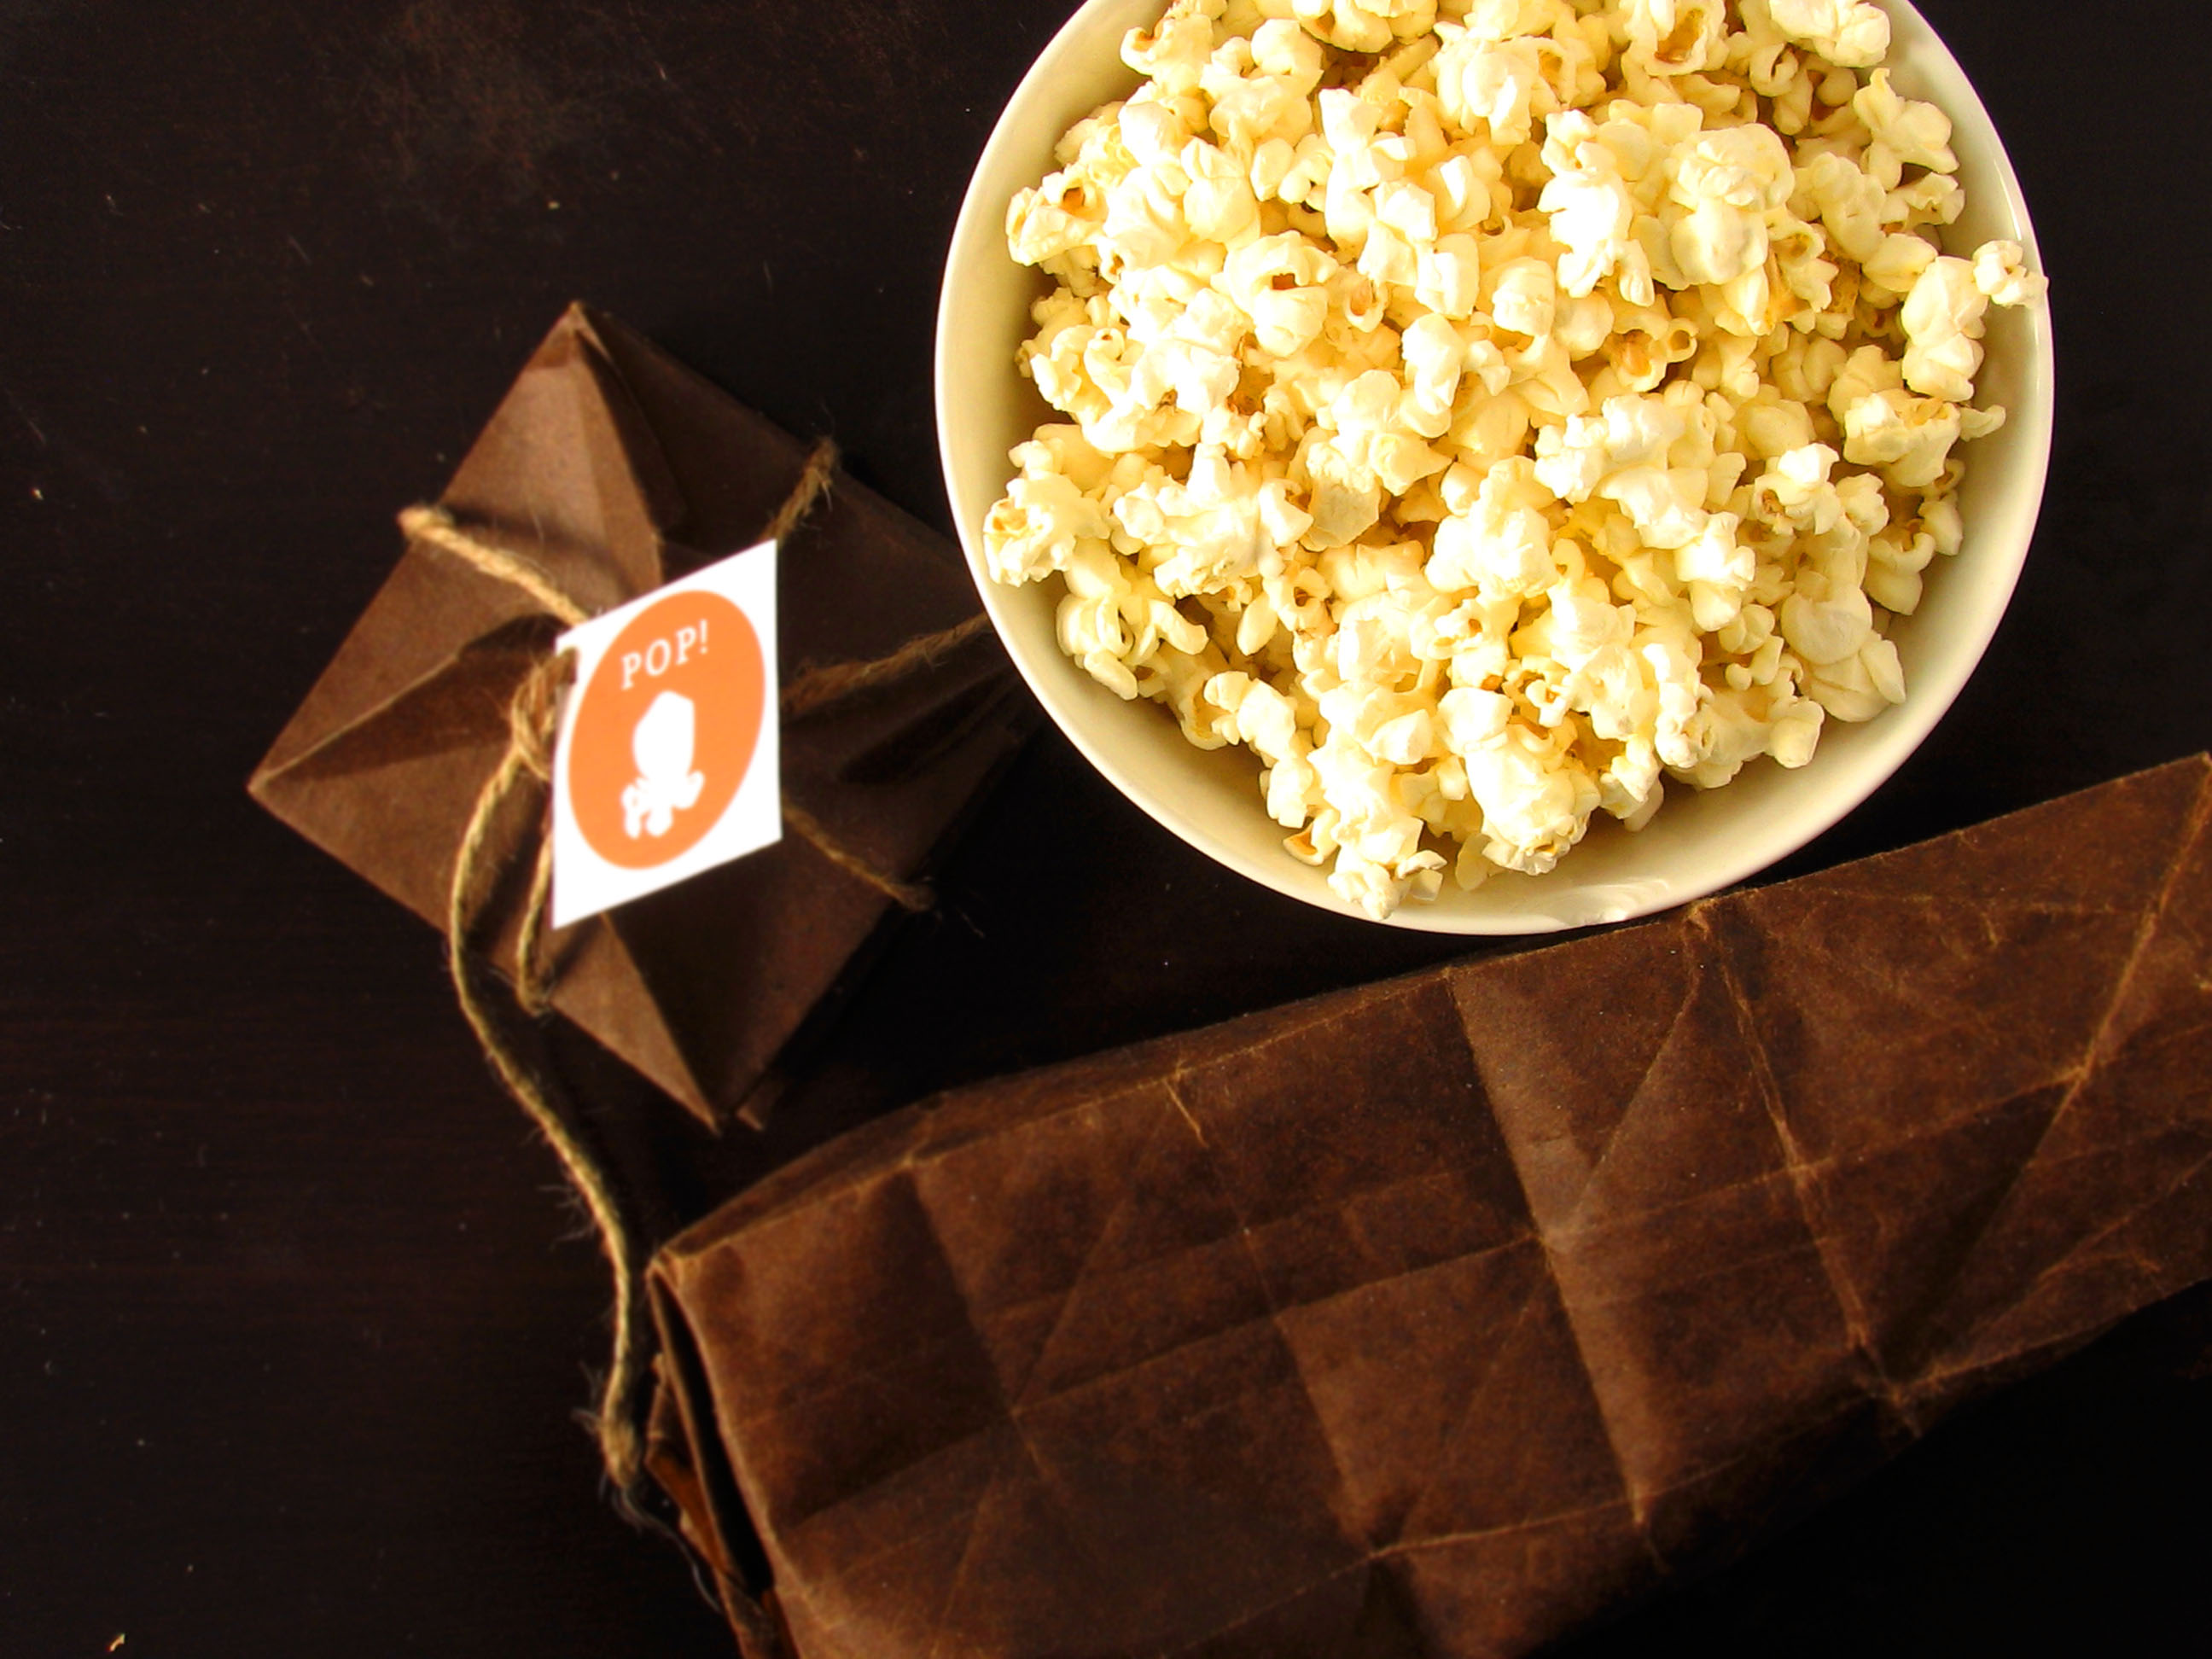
[666,762]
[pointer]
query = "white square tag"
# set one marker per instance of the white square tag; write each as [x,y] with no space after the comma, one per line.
[667,761]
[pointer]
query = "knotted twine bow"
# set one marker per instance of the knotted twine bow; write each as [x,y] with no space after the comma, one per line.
[532,713]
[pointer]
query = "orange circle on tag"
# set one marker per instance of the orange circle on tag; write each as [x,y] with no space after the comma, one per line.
[666,729]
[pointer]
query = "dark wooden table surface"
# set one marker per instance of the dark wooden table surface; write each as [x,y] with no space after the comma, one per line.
[294,1318]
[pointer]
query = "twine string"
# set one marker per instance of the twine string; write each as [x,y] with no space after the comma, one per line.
[908,895]
[533,979]
[532,716]
[615,1423]
[820,686]
[434,526]
[813,483]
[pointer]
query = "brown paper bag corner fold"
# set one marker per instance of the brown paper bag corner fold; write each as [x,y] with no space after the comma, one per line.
[1444,1316]
[613,469]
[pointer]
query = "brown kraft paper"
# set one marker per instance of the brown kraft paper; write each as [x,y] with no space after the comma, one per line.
[1444,1316]
[615,468]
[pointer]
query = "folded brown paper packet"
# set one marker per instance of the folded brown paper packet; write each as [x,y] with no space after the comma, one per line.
[1445,1316]
[615,469]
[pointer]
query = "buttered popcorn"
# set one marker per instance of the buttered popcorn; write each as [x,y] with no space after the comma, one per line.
[1485,410]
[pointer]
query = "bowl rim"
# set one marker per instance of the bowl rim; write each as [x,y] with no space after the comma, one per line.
[1892,737]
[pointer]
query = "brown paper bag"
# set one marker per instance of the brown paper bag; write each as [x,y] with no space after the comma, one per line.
[615,468]
[1440,1318]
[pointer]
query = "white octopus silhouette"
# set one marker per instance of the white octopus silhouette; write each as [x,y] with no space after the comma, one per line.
[662,746]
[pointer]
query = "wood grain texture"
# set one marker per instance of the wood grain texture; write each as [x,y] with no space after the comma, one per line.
[292,1322]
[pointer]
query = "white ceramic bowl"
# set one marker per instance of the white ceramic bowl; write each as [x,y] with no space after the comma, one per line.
[1700,841]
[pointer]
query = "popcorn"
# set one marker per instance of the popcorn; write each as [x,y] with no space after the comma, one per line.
[1502,545]
[1854,33]
[1998,274]
[1484,411]
[1942,318]
[1593,211]
[1676,37]
[1914,134]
